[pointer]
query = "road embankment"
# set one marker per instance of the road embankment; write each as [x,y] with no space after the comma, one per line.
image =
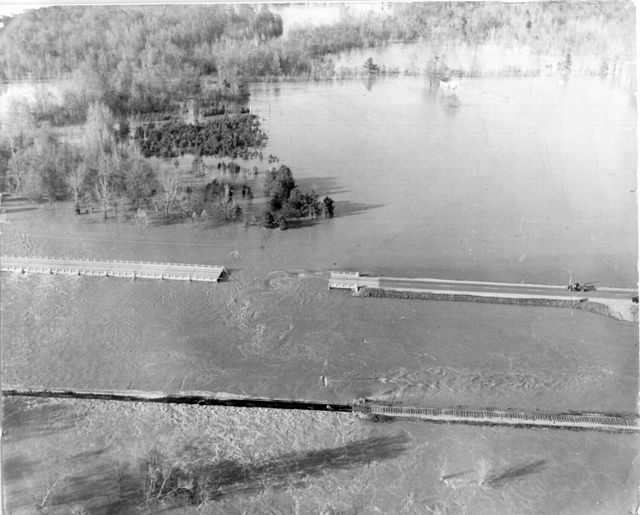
[619,310]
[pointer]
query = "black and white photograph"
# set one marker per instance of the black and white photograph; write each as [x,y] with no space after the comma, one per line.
[319,258]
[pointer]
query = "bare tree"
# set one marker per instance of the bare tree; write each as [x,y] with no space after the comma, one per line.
[17,123]
[105,187]
[139,175]
[75,180]
[99,135]
[170,187]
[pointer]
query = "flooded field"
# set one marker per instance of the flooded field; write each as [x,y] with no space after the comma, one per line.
[527,180]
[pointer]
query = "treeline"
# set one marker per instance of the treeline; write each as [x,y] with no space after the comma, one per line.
[225,136]
[110,172]
[145,58]
[135,59]
[604,28]
[107,166]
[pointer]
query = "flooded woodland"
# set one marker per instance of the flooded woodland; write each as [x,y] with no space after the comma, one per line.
[524,178]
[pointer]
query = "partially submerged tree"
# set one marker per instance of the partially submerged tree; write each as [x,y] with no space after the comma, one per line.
[327,207]
[76,181]
[370,66]
[170,184]
[99,130]
[139,176]
[107,181]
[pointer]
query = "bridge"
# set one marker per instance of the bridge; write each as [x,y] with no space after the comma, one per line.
[108,268]
[454,415]
[592,421]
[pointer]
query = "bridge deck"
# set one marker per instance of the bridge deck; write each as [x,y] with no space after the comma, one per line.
[594,421]
[108,268]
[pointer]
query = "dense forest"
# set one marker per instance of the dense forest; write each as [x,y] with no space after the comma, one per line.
[145,58]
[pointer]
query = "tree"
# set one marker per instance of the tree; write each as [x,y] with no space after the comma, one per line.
[41,168]
[564,66]
[267,219]
[99,133]
[107,180]
[170,188]
[17,123]
[370,66]
[76,180]
[267,25]
[139,176]
[279,183]
[23,175]
[197,166]
[327,207]
[228,211]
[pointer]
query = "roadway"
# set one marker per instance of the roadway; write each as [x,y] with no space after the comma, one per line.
[491,289]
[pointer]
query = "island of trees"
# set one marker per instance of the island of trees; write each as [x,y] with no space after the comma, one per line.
[112,172]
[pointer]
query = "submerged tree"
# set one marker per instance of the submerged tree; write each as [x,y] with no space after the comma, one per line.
[170,184]
[370,66]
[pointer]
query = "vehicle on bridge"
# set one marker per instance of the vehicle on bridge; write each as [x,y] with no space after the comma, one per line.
[581,287]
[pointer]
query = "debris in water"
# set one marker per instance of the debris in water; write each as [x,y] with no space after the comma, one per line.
[457,474]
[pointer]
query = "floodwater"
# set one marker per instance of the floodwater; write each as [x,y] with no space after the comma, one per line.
[268,461]
[525,180]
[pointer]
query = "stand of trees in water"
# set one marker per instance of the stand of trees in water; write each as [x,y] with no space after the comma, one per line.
[287,202]
[113,172]
[225,136]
